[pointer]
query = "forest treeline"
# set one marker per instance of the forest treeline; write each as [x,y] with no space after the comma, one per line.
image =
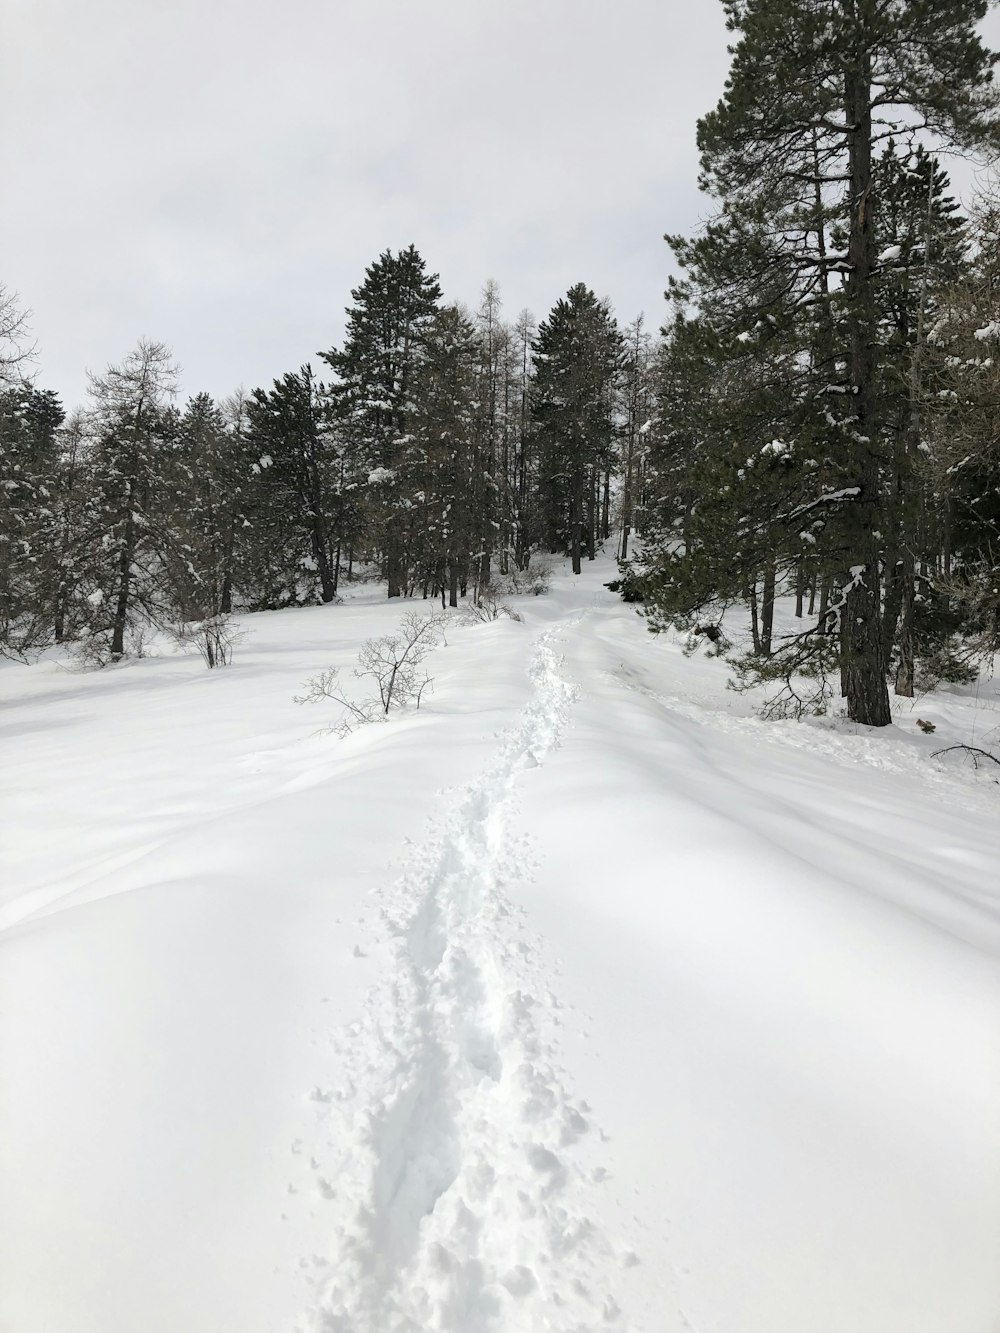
[435,449]
[819,417]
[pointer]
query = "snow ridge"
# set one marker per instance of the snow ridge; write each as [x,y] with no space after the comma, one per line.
[462,1165]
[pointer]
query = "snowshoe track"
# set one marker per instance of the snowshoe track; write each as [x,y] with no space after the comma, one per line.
[461,1166]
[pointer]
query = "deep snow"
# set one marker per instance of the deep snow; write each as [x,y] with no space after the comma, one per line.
[579,999]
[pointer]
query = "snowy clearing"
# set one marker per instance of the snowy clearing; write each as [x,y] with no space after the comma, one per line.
[579,999]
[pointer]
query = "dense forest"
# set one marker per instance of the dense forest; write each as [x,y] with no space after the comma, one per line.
[818,418]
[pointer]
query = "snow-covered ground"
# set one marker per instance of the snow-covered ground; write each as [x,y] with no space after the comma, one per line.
[580,999]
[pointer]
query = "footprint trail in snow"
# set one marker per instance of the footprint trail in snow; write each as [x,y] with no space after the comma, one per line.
[461,1167]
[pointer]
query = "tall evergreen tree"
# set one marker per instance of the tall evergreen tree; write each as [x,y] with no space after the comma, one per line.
[577,355]
[371,394]
[299,471]
[789,153]
[29,516]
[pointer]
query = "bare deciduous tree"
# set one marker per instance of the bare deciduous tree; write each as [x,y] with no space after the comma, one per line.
[16,349]
[394,662]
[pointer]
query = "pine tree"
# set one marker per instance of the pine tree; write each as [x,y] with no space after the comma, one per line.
[577,355]
[298,468]
[29,465]
[208,477]
[959,457]
[922,251]
[371,394]
[789,153]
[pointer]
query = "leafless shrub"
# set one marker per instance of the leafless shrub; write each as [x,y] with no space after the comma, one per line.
[488,606]
[536,577]
[92,649]
[393,662]
[215,637]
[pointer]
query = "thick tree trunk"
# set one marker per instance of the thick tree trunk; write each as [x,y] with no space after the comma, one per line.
[453,583]
[395,571]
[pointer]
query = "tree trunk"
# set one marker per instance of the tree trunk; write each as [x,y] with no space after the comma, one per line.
[394,570]
[863,668]
[627,495]
[592,516]
[453,583]
[754,617]
[905,667]
[576,519]
[892,604]
[126,555]
[767,609]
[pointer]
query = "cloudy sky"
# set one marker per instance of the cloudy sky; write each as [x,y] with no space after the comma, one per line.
[217,173]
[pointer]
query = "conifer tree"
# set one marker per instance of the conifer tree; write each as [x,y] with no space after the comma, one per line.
[298,472]
[29,516]
[577,355]
[790,156]
[959,458]
[208,478]
[371,394]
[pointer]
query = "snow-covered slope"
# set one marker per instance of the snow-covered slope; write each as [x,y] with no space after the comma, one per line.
[579,999]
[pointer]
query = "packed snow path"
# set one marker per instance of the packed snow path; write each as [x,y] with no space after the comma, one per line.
[459,1146]
[685,1022]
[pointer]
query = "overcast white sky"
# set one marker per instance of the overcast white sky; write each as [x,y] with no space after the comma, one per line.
[218,173]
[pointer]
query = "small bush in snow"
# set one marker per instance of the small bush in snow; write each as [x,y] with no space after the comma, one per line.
[487,607]
[214,637]
[536,577]
[392,663]
[92,650]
